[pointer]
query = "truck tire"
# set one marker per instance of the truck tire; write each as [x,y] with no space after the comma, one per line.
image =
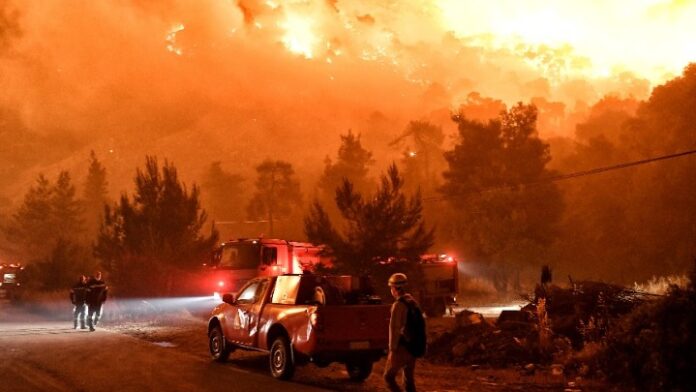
[359,370]
[220,348]
[281,359]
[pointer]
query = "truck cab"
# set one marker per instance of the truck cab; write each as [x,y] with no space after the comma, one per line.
[237,261]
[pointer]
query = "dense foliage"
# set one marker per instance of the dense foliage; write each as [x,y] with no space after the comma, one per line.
[374,227]
[145,240]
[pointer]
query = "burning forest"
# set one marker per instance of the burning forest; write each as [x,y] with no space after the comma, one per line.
[143,138]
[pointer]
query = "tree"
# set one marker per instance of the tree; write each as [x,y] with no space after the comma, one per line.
[66,209]
[495,218]
[383,225]
[62,266]
[223,193]
[353,163]
[30,228]
[95,194]
[422,155]
[277,192]
[48,212]
[146,241]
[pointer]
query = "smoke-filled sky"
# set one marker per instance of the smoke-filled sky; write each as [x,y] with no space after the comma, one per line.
[241,80]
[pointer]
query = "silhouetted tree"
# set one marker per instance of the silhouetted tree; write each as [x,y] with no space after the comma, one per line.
[66,209]
[494,218]
[353,163]
[423,154]
[277,192]
[60,269]
[223,193]
[48,212]
[374,227]
[95,195]
[143,242]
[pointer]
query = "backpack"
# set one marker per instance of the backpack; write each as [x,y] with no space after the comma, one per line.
[414,339]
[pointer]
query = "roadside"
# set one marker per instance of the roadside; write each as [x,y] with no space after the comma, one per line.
[186,333]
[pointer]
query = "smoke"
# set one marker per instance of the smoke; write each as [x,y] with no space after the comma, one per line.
[238,81]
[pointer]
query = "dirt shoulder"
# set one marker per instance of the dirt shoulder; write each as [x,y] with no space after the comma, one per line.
[188,334]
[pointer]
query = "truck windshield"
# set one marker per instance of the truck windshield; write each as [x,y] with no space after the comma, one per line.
[240,256]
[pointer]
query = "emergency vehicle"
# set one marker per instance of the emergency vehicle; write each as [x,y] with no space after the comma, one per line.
[237,261]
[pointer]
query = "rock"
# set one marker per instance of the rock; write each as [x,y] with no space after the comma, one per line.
[529,368]
[557,369]
[460,349]
[466,318]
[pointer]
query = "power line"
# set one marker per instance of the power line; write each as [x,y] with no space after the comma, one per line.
[562,177]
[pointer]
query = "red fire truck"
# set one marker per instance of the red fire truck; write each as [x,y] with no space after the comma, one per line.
[237,261]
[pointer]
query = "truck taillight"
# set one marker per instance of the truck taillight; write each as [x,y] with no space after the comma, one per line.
[315,320]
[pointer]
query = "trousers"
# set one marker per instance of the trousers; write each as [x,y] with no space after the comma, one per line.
[399,360]
[94,315]
[79,313]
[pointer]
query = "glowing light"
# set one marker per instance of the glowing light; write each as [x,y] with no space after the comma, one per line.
[221,283]
[171,39]
[412,154]
[299,36]
[649,37]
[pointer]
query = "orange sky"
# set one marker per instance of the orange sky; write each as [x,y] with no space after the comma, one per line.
[237,81]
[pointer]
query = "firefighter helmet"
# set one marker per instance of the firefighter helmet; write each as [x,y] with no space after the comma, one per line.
[398,280]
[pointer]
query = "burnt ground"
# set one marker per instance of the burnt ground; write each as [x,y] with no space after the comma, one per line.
[187,333]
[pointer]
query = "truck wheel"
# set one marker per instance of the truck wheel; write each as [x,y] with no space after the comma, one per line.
[359,371]
[220,349]
[282,365]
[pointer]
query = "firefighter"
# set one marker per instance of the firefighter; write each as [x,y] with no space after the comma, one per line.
[401,354]
[78,297]
[96,296]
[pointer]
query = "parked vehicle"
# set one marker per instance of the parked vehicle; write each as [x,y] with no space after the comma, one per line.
[11,279]
[237,261]
[299,319]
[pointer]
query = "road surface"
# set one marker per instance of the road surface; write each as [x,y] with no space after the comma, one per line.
[43,355]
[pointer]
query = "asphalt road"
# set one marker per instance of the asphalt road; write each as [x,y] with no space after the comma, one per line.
[43,355]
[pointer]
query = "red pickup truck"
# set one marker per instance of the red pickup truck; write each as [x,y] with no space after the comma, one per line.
[302,318]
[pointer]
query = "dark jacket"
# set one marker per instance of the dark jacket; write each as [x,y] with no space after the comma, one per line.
[97,292]
[78,294]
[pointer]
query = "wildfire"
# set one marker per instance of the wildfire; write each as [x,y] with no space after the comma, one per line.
[650,37]
[171,39]
[299,36]
[559,41]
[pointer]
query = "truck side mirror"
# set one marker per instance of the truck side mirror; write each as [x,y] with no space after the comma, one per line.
[229,298]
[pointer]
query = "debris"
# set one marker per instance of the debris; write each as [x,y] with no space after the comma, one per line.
[557,369]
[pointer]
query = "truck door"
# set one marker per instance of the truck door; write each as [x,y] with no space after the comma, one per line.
[247,309]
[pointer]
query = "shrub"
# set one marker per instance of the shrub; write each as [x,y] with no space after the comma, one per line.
[654,347]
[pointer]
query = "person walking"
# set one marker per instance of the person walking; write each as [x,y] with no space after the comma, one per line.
[407,339]
[96,296]
[78,297]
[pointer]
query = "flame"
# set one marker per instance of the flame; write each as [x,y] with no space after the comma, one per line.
[299,36]
[653,38]
[171,39]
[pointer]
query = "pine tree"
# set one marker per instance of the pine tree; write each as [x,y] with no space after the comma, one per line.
[374,227]
[146,241]
[277,192]
[511,226]
[30,230]
[223,193]
[353,163]
[95,195]
[66,209]
[423,154]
